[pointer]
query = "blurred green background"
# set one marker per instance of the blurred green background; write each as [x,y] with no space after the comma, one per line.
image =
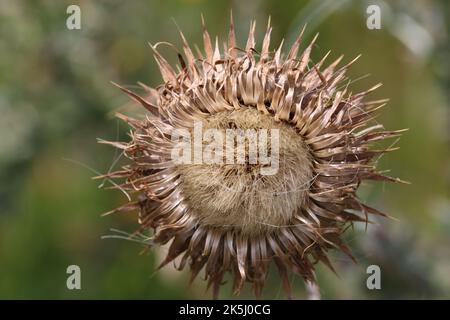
[56,99]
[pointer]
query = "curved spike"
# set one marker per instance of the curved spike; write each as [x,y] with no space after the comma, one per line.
[266,42]
[294,49]
[189,54]
[164,67]
[147,105]
[216,56]
[251,37]
[320,63]
[283,272]
[348,65]
[207,45]
[330,69]
[277,57]
[304,59]
[231,38]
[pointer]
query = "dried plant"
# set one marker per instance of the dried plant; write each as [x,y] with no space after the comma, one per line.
[228,218]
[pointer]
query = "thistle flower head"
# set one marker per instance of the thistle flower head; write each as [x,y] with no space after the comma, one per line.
[229,217]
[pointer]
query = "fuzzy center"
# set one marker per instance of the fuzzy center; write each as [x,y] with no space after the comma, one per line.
[254,173]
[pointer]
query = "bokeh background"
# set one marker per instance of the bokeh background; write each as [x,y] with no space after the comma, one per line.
[56,99]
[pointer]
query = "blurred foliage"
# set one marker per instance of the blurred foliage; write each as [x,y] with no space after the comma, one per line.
[56,99]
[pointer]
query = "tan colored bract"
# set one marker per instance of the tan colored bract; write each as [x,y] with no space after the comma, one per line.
[295,227]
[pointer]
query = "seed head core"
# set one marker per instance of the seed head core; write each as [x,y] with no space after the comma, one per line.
[237,196]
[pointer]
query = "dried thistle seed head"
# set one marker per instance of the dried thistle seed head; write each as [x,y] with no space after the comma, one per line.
[229,217]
